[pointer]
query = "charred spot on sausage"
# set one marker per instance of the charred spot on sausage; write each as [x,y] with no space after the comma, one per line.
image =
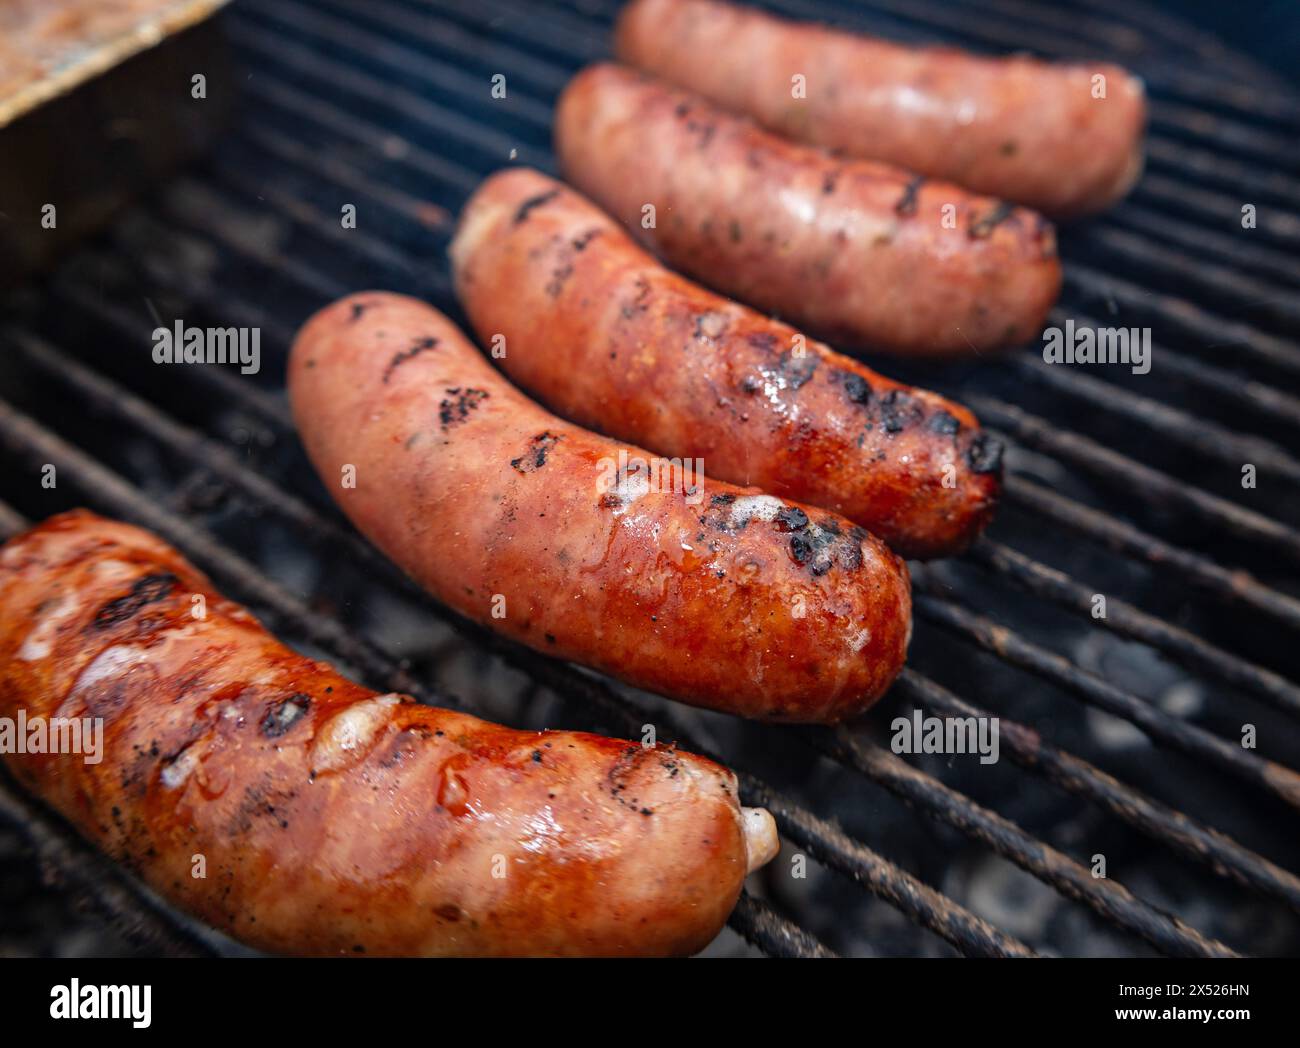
[983,226]
[457,406]
[792,518]
[797,370]
[146,591]
[534,202]
[898,410]
[820,545]
[945,424]
[856,388]
[559,275]
[357,309]
[906,205]
[418,346]
[984,454]
[640,302]
[283,715]
[535,457]
[580,243]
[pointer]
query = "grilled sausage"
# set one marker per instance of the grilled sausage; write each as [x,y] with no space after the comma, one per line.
[580,547]
[1030,131]
[304,814]
[609,338]
[855,250]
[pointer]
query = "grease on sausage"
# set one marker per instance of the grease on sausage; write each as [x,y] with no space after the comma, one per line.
[716,595]
[628,347]
[330,820]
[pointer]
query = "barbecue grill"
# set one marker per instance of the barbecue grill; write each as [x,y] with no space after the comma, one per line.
[1121,736]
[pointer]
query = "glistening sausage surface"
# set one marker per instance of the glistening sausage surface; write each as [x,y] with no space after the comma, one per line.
[609,338]
[716,595]
[1030,131]
[852,249]
[326,819]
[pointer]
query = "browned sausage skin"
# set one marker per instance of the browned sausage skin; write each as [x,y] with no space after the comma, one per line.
[1030,131]
[855,250]
[716,595]
[326,819]
[609,338]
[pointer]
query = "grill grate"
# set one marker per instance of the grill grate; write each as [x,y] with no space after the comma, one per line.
[385,104]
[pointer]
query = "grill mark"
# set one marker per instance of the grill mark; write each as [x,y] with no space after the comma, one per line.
[945,424]
[454,412]
[284,715]
[984,454]
[586,238]
[535,457]
[148,590]
[984,226]
[898,410]
[532,203]
[402,356]
[906,206]
[856,388]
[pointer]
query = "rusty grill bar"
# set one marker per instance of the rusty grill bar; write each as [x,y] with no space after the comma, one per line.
[368,103]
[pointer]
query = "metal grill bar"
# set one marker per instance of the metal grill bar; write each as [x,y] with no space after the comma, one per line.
[1136,480]
[1205,437]
[1272,778]
[1129,621]
[1220,853]
[761,926]
[1109,898]
[1281,229]
[1229,585]
[1183,318]
[1246,293]
[1243,254]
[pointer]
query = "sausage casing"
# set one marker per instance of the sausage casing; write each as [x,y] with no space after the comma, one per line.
[581,547]
[609,338]
[855,250]
[304,814]
[1063,138]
